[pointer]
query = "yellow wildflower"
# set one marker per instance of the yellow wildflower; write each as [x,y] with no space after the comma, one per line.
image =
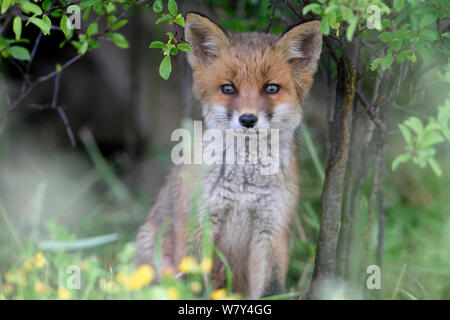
[39,260]
[28,264]
[173,293]
[64,294]
[40,287]
[206,265]
[140,278]
[187,265]
[196,287]
[218,294]
[121,278]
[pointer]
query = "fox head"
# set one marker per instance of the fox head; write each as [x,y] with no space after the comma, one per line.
[252,80]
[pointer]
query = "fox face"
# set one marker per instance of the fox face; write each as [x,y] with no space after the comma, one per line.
[252,80]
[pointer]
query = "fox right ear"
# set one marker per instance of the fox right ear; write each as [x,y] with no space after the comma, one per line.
[205,38]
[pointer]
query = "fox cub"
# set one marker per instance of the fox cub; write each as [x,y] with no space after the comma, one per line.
[244,81]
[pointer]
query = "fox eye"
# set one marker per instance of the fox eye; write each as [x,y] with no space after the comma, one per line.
[272,88]
[228,89]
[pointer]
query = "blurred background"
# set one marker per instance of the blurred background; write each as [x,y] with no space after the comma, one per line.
[122,114]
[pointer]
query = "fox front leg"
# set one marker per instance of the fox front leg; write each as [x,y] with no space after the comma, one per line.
[267,263]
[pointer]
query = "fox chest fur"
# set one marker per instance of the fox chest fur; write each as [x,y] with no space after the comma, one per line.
[246,207]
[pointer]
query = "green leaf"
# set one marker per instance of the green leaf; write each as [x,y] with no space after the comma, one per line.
[46,4]
[83,47]
[431,138]
[406,134]
[400,159]
[157,44]
[386,37]
[375,64]
[19,53]
[165,17]
[44,24]
[158,6]
[314,7]
[165,68]
[93,44]
[398,5]
[86,13]
[119,24]
[386,62]
[120,40]
[5,5]
[351,28]
[184,47]
[400,58]
[28,7]
[179,20]
[435,166]
[425,54]
[414,22]
[173,8]
[325,26]
[57,13]
[415,124]
[66,26]
[402,33]
[92,29]
[429,34]
[17,27]
[428,19]
[411,57]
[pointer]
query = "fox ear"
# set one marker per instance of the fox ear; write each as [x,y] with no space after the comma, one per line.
[205,37]
[302,45]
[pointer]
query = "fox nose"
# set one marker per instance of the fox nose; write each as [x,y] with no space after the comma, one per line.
[248,120]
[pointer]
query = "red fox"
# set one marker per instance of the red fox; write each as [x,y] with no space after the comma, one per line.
[243,81]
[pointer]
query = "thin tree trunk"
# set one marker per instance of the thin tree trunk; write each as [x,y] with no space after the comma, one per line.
[332,192]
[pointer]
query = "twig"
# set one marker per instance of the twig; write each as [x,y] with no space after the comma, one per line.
[399,281]
[33,51]
[6,22]
[60,110]
[66,123]
[370,109]
[56,90]
[30,87]
[274,8]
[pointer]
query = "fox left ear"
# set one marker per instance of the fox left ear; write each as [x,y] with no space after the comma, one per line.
[302,45]
[206,38]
